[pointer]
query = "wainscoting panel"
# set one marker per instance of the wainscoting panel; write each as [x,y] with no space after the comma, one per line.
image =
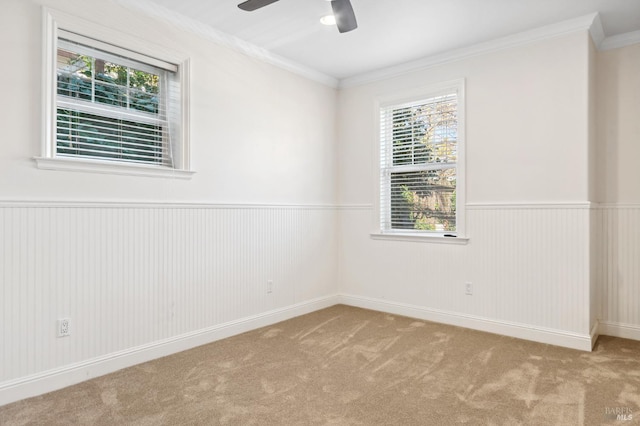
[145,280]
[529,266]
[129,275]
[619,269]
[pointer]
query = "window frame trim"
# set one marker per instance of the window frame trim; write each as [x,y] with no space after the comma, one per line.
[57,24]
[408,97]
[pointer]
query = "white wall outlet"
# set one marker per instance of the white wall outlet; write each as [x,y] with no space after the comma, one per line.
[270,286]
[468,288]
[64,327]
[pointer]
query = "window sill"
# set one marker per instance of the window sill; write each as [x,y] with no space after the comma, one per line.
[97,166]
[419,238]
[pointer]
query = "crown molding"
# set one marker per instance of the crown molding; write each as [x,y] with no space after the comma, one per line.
[589,23]
[207,32]
[620,40]
[596,30]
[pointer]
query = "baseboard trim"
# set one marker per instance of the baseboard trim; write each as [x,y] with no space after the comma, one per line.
[616,329]
[51,380]
[521,331]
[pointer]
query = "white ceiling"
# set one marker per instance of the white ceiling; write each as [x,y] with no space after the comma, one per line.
[392,32]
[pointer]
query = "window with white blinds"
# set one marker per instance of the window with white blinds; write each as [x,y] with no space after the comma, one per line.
[112,102]
[419,165]
[111,107]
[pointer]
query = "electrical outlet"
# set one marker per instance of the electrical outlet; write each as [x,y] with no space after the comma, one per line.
[468,288]
[64,327]
[270,286]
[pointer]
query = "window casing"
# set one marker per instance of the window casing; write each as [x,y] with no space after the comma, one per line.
[108,107]
[422,164]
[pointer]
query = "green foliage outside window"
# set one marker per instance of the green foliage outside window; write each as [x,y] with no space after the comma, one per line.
[114,84]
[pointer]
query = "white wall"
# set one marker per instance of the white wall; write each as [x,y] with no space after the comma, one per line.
[618,127]
[618,174]
[528,217]
[147,266]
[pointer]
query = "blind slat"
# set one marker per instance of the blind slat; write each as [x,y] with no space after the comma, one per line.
[97,127]
[63,102]
[106,145]
[75,41]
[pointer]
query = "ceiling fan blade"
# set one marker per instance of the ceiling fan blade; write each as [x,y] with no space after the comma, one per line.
[345,18]
[251,5]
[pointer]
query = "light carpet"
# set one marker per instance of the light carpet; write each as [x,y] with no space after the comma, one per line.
[350,366]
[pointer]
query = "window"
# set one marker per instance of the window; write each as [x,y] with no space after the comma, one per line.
[112,109]
[421,178]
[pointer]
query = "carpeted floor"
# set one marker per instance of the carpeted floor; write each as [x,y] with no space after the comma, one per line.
[349,366]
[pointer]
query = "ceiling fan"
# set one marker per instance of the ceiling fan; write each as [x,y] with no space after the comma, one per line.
[342,10]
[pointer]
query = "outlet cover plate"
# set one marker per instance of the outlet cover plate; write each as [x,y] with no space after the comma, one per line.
[64,327]
[468,288]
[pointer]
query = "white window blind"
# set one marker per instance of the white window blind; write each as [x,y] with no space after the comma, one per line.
[111,107]
[418,164]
